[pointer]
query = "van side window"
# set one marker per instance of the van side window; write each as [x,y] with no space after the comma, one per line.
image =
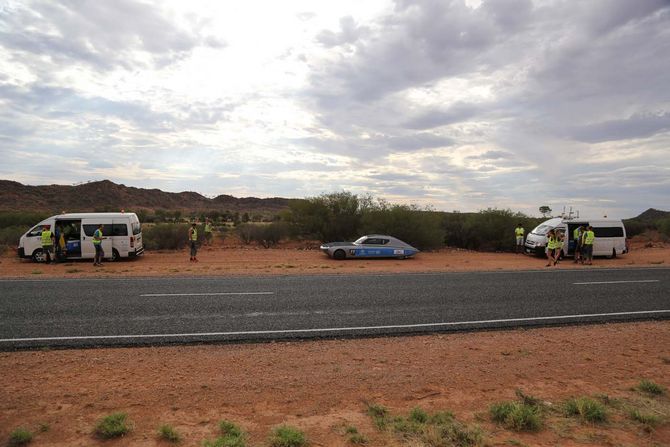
[119,230]
[89,229]
[37,231]
[608,231]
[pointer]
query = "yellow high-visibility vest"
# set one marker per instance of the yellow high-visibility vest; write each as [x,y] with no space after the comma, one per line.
[589,238]
[551,243]
[194,234]
[46,238]
[519,232]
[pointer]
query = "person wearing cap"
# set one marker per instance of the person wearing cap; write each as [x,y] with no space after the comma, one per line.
[519,232]
[48,243]
[193,239]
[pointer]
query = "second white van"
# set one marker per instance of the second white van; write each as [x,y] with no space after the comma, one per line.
[610,236]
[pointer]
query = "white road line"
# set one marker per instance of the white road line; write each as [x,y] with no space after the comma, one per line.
[615,282]
[208,294]
[332,329]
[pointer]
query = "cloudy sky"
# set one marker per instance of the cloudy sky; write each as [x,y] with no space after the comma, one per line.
[460,105]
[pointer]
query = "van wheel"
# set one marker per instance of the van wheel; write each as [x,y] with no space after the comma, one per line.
[115,255]
[39,256]
[339,255]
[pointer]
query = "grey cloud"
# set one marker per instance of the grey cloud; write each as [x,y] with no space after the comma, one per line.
[492,155]
[100,34]
[636,126]
[349,33]
[432,118]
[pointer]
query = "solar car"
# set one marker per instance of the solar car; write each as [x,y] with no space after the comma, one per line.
[370,246]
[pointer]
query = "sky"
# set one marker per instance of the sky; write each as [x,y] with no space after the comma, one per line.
[454,105]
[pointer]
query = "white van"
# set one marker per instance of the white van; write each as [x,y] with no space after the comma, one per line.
[610,236]
[122,232]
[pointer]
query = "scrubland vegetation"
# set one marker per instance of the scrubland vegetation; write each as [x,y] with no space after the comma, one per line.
[341,216]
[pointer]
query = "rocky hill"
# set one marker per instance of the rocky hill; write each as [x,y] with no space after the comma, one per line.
[108,196]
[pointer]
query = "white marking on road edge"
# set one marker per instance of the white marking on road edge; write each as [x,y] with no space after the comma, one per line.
[207,294]
[332,329]
[615,282]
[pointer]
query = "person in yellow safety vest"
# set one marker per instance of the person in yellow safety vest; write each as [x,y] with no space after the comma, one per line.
[551,247]
[587,248]
[47,243]
[193,239]
[97,243]
[577,237]
[518,233]
[560,241]
[208,232]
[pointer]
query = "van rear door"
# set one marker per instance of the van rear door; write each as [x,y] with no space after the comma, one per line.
[88,227]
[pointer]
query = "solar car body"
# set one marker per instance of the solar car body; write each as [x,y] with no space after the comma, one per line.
[370,246]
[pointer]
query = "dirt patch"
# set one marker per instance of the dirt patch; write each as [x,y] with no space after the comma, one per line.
[293,258]
[322,386]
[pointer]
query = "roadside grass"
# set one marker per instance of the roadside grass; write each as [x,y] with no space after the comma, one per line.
[526,415]
[36,272]
[355,437]
[586,409]
[43,427]
[287,436]
[648,420]
[20,436]
[649,387]
[231,436]
[72,271]
[114,425]
[422,428]
[169,433]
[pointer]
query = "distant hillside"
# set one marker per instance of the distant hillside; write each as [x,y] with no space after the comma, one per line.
[109,196]
[652,215]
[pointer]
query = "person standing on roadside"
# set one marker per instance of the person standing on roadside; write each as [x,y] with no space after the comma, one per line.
[47,243]
[560,241]
[97,243]
[551,247]
[577,237]
[208,232]
[587,248]
[519,232]
[193,239]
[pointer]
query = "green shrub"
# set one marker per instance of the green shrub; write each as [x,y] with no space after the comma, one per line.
[23,219]
[488,230]
[266,235]
[229,428]
[648,419]
[418,415]
[649,387]
[168,433]
[423,229]
[517,416]
[112,426]
[19,437]
[231,436]
[9,236]
[166,236]
[587,409]
[379,415]
[287,436]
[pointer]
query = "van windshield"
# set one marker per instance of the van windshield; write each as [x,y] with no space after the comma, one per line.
[542,229]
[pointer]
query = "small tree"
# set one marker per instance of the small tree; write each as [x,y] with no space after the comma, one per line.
[544,209]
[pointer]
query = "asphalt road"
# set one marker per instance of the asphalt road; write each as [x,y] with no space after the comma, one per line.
[140,311]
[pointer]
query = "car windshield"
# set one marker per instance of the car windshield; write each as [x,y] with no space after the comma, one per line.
[542,229]
[360,240]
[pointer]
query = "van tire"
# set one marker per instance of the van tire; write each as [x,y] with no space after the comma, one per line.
[115,255]
[38,256]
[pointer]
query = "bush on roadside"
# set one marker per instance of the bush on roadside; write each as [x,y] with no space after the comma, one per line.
[517,416]
[423,229]
[20,437]
[165,236]
[113,426]
[587,409]
[287,436]
[9,236]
